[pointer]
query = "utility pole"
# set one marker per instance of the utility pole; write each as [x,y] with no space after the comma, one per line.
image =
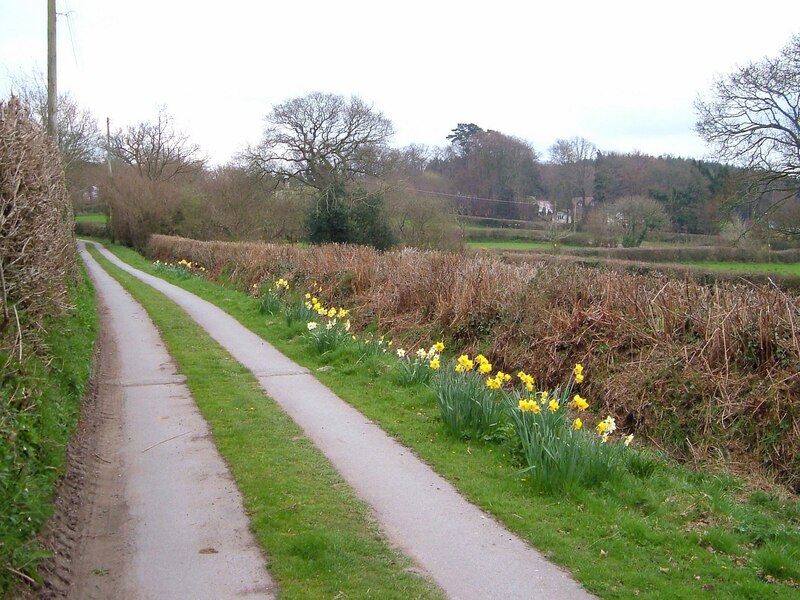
[108,145]
[52,93]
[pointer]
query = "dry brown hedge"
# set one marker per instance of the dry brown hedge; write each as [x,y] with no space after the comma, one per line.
[701,370]
[37,247]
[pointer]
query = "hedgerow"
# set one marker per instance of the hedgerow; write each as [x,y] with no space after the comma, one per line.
[701,370]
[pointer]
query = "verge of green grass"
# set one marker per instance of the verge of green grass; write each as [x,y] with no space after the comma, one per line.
[779,268]
[92,218]
[320,539]
[33,441]
[672,533]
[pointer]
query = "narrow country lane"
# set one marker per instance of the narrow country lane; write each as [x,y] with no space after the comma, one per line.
[466,552]
[163,518]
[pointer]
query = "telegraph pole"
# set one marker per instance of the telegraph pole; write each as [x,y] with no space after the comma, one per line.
[108,145]
[52,93]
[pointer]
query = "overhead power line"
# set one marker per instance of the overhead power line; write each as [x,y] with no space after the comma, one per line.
[462,197]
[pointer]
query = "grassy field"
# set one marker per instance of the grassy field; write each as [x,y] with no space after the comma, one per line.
[780,268]
[320,539]
[92,218]
[664,532]
[509,245]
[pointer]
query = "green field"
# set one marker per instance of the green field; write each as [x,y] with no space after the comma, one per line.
[779,268]
[510,245]
[92,218]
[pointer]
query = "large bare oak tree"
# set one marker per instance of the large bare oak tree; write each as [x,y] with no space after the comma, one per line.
[322,140]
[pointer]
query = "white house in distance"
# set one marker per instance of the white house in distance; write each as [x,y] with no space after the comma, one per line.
[545,208]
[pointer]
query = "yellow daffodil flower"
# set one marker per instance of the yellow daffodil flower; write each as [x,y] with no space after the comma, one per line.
[577,424]
[579,403]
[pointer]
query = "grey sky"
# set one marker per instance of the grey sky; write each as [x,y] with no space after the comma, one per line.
[623,74]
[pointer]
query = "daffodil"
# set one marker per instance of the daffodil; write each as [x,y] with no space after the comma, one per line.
[434,364]
[579,403]
[553,405]
[577,424]
[466,363]
[439,346]
[628,440]
[484,368]
[422,354]
[312,325]
[401,353]
[481,359]
[611,425]
[529,406]
[526,379]
[602,426]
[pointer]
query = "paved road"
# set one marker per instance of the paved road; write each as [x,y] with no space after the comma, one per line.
[465,551]
[167,521]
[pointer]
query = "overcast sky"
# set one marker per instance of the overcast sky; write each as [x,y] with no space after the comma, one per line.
[623,74]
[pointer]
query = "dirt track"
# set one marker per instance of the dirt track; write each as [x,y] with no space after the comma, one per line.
[148,509]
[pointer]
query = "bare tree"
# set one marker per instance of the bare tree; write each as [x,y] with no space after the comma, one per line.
[322,140]
[79,138]
[753,120]
[574,159]
[156,150]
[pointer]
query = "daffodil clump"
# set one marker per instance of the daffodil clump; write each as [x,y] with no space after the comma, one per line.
[274,300]
[420,365]
[183,268]
[330,329]
[470,397]
[557,451]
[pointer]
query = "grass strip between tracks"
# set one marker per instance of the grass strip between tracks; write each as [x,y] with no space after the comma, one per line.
[675,534]
[319,537]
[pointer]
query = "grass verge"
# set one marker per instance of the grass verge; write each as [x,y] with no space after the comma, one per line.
[33,441]
[663,531]
[319,537]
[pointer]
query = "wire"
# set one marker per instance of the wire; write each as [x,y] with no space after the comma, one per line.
[462,197]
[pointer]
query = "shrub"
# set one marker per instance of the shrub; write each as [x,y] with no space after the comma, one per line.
[359,218]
